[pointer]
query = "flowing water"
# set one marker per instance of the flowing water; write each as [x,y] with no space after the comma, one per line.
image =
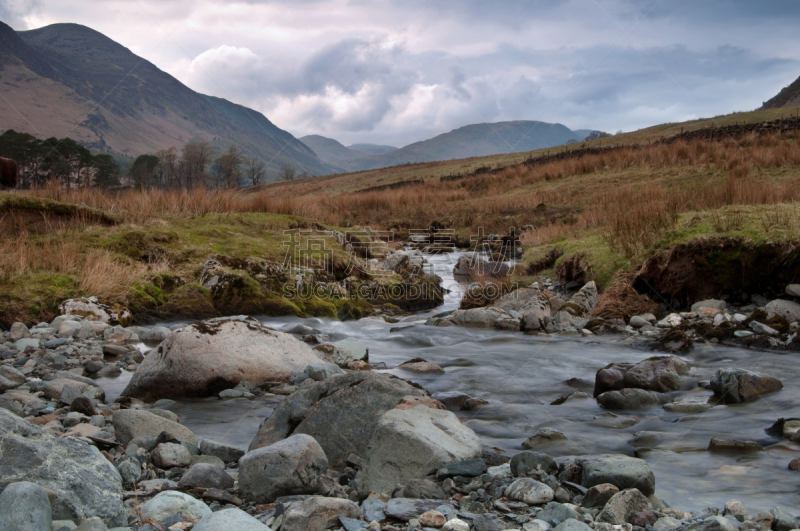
[520,375]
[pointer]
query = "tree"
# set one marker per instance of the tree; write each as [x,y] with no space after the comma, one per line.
[287,173]
[168,171]
[255,170]
[196,155]
[228,167]
[596,134]
[143,171]
[106,170]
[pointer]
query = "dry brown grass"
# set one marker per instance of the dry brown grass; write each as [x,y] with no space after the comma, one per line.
[620,301]
[107,278]
[21,254]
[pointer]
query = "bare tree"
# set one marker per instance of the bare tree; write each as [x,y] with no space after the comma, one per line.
[255,169]
[196,155]
[287,173]
[168,167]
[228,167]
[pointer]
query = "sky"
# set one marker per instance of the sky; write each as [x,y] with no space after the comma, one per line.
[396,72]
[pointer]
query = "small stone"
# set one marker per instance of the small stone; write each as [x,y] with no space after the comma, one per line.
[228,454]
[527,462]
[543,436]
[623,505]
[432,518]
[468,468]
[170,455]
[794,464]
[599,495]
[761,328]
[455,525]
[25,506]
[572,525]
[206,476]
[92,524]
[229,519]
[529,491]
[736,509]
[793,290]
[172,502]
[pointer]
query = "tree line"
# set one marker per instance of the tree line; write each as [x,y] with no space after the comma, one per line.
[198,163]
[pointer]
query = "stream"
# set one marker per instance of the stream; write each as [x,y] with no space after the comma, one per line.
[520,375]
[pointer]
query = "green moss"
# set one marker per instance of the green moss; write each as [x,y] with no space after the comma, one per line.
[189,300]
[34,296]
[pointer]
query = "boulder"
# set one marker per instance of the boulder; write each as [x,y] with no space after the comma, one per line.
[229,519]
[343,352]
[662,374]
[734,386]
[623,505]
[190,360]
[322,371]
[630,399]
[421,366]
[171,455]
[488,317]
[531,303]
[24,506]
[554,513]
[527,462]
[572,524]
[18,331]
[317,513]
[599,495]
[713,523]
[529,491]
[543,436]
[341,413]
[789,310]
[10,378]
[793,290]
[89,308]
[86,483]
[619,470]
[411,443]
[132,423]
[286,468]
[93,524]
[586,298]
[407,508]
[228,454]
[206,476]
[469,468]
[714,304]
[172,502]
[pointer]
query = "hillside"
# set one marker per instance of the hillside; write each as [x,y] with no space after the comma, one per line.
[69,80]
[788,97]
[474,140]
[373,149]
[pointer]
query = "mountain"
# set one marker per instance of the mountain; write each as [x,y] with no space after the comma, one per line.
[373,149]
[331,150]
[69,80]
[475,140]
[788,97]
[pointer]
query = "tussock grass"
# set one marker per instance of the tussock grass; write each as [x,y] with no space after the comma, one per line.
[106,277]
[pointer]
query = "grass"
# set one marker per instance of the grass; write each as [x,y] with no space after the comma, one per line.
[604,213]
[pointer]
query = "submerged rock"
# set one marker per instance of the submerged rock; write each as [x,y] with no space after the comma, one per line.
[739,385]
[191,361]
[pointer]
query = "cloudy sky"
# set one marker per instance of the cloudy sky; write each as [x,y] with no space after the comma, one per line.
[394,72]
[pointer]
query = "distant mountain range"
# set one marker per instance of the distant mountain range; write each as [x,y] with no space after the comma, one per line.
[475,140]
[69,80]
[788,97]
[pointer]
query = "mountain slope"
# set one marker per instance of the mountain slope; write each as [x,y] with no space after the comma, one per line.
[69,80]
[373,149]
[475,140]
[788,97]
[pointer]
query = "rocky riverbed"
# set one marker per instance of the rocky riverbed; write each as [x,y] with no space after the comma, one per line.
[401,425]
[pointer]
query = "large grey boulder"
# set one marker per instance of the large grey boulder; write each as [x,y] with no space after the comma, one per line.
[18,331]
[341,413]
[531,303]
[172,502]
[789,310]
[317,514]
[622,471]
[207,357]
[132,423]
[410,443]
[623,505]
[228,454]
[85,483]
[739,385]
[89,308]
[24,506]
[229,519]
[171,455]
[10,378]
[586,298]
[288,467]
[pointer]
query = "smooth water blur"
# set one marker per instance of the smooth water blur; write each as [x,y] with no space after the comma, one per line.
[520,375]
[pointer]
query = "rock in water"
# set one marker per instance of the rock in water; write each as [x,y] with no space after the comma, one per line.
[204,358]
[409,443]
[25,506]
[85,483]
[531,303]
[343,352]
[789,310]
[619,470]
[285,468]
[341,413]
[229,519]
[739,385]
